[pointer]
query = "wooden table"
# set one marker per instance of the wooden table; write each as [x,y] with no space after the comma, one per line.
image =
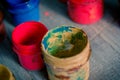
[104,37]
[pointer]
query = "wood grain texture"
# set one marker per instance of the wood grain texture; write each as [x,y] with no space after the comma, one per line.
[104,37]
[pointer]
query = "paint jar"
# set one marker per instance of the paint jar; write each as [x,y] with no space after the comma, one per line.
[2,27]
[26,49]
[31,61]
[5,73]
[29,57]
[66,52]
[85,11]
[14,2]
[26,39]
[27,11]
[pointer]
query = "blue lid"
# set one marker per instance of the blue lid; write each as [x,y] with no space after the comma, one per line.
[26,6]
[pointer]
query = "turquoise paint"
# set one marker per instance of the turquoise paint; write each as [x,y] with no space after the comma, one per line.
[79,78]
[56,40]
[60,29]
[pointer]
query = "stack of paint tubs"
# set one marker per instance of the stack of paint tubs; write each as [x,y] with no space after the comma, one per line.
[2,27]
[26,39]
[85,11]
[23,10]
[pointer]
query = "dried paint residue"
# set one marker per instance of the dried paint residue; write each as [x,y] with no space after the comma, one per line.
[65,41]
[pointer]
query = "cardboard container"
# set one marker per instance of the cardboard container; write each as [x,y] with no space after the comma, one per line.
[66,53]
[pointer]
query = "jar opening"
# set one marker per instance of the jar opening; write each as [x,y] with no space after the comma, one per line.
[65,41]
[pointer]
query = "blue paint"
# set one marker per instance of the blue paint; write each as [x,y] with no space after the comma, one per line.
[45,40]
[15,2]
[46,43]
[62,29]
[27,11]
[58,30]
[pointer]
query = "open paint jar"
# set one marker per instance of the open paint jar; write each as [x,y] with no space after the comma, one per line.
[26,39]
[66,53]
[5,73]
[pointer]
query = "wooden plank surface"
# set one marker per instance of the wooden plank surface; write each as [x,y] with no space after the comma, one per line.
[104,37]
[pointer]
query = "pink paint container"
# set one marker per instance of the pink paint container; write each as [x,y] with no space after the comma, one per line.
[26,49]
[30,61]
[2,27]
[26,39]
[85,11]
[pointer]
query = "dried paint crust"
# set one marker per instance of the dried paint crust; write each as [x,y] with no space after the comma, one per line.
[65,41]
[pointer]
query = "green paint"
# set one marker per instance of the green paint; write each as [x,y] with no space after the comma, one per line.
[81,74]
[66,43]
[79,78]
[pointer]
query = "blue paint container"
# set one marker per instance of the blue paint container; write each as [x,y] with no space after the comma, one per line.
[14,2]
[27,11]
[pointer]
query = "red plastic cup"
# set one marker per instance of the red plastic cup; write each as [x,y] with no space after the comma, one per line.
[28,33]
[26,39]
[85,11]
[28,58]
[32,61]
[26,51]
[31,49]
